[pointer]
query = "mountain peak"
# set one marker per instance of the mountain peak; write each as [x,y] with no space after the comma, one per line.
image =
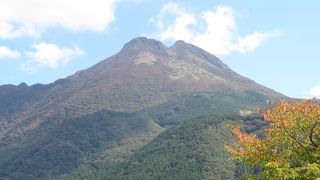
[181,45]
[143,43]
[23,84]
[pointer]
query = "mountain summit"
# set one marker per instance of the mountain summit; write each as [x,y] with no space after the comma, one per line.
[164,85]
[143,43]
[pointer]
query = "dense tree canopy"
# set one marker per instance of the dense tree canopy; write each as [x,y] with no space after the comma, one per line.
[291,146]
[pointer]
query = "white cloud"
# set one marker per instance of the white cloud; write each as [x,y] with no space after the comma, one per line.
[251,42]
[6,52]
[9,31]
[49,55]
[28,18]
[214,31]
[315,91]
[179,29]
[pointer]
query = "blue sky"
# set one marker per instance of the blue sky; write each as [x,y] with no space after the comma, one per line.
[275,43]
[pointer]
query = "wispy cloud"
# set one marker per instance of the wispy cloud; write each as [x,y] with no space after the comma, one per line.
[11,31]
[214,31]
[23,18]
[6,52]
[47,55]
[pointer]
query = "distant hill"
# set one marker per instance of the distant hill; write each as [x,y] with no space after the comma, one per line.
[163,85]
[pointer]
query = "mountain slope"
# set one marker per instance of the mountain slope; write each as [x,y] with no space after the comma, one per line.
[191,105]
[63,148]
[155,84]
[193,149]
[16,98]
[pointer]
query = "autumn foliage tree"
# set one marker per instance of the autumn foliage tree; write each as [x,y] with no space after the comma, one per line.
[291,146]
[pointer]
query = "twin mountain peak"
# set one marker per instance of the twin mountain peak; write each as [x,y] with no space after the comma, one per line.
[144,73]
[178,51]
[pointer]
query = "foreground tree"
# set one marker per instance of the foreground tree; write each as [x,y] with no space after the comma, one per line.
[291,146]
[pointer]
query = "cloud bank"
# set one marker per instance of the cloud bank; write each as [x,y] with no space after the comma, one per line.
[24,18]
[214,31]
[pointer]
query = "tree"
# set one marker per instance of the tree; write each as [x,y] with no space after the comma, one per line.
[291,146]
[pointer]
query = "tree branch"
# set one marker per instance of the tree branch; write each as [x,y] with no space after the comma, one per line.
[311,135]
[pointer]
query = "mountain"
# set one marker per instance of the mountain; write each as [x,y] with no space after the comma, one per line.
[144,73]
[158,86]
